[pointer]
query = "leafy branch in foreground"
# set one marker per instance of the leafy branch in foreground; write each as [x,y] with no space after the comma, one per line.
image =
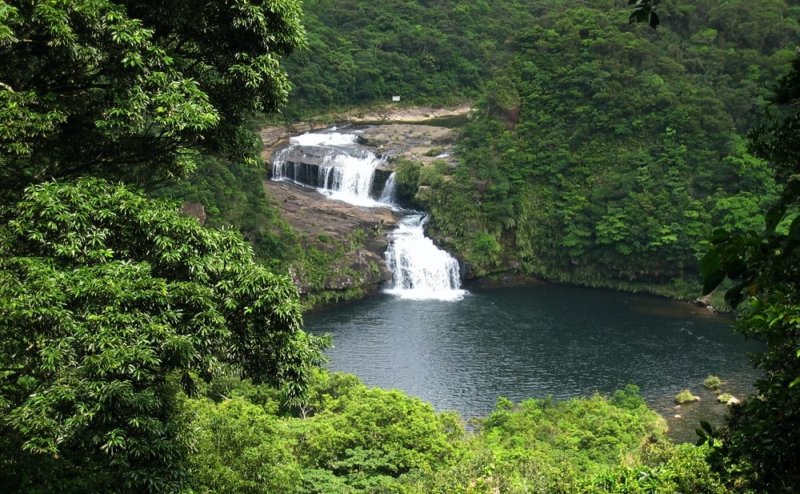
[111,303]
[131,89]
[762,438]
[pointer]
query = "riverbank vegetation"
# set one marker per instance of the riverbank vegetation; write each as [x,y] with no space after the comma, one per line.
[350,438]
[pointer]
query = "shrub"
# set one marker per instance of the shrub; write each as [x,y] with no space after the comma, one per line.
[724,397]
[712,382]
[685,396]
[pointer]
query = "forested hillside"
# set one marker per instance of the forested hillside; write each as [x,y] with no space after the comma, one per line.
[366,52]
[601,152]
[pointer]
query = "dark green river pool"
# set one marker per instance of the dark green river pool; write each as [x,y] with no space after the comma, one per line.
[540,341]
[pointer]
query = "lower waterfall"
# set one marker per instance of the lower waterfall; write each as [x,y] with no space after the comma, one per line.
[346,172]
[420,270]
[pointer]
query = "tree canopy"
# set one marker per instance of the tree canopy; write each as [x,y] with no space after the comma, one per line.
[112,305]
[111,302]
[131,89]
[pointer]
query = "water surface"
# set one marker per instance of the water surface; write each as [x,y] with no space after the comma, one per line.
[535,342]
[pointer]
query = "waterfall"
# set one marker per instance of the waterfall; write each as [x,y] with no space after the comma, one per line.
[349,178]
[323,139]
[346,172]
[420,270]
[387,196]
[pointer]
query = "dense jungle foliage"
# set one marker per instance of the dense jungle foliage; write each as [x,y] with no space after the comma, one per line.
[141,352]
[600,153]
[349,438]
[112,305]
[761,438]
[361,52]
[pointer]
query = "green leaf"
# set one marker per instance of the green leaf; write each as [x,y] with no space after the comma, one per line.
[712,281]
[710,263]
[774,216]
[735,295]
[719,236]
[794,229]
[654,21]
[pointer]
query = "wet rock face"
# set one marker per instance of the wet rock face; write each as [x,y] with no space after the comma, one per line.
[302,164]
[278,136]
[314,217]
[423,143]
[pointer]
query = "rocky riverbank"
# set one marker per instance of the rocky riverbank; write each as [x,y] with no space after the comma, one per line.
[399,114]
[423,144]
[274,137]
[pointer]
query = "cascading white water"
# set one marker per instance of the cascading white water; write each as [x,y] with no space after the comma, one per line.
[345,173]
[420,270]
[349,178]
[323,139]
[389,189]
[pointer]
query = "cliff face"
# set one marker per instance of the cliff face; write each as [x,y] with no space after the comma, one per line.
[352,240]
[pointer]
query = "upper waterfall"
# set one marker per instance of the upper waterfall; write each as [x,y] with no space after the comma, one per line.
[323,139]
[334,164]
